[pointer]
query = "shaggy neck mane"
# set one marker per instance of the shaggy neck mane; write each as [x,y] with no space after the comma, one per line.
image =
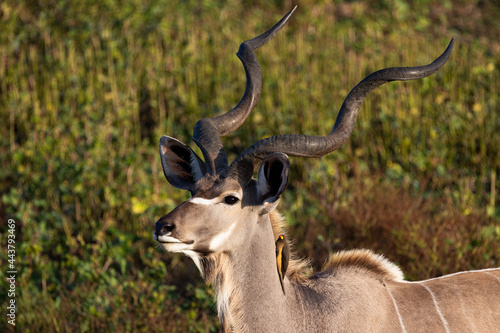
[216,270]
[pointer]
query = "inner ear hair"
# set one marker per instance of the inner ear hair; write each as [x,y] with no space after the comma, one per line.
[274,177]
[181,166]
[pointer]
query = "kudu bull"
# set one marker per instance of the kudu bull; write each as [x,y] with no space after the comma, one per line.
[228,227]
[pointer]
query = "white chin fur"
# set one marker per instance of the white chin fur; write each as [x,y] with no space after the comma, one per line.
[167,239]
[196,259]
[176,247]
[172,244]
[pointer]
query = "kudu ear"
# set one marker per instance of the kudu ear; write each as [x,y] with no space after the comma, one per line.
[181,166]
[272,180]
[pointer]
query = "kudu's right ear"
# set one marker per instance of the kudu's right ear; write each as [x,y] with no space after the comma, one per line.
[181,166]
[272,180]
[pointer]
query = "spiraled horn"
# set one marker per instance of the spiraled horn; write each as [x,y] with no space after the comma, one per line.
[207,132]
[316,146]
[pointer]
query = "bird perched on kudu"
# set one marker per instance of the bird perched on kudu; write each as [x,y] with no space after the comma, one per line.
[282,257]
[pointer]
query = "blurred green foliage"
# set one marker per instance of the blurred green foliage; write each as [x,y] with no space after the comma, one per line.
[88,87]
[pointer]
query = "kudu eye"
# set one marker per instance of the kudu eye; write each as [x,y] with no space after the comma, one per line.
[231,200]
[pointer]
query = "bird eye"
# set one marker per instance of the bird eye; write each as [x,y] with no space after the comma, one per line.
[231,200]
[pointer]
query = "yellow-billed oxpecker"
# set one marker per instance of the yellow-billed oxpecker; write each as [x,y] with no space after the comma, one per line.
[282,257]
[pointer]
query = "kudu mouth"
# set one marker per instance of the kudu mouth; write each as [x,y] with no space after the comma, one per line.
[164,234]
[179,242]
[171,240]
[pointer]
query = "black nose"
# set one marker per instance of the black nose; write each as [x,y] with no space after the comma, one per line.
[163,228]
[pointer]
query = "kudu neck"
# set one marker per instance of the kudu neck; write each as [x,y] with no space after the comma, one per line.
[249,294]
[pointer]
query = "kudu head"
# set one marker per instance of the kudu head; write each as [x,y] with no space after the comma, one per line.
[226,202]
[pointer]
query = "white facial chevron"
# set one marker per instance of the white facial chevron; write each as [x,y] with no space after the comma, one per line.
[221,238]
[202,201]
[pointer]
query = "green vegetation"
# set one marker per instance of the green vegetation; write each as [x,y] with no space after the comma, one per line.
[88,87]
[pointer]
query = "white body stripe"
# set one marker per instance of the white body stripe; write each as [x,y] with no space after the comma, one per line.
[403,328]
[464,310]
[445,323]
[496,277]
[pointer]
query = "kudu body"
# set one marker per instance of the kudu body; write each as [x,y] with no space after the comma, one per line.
[228,227]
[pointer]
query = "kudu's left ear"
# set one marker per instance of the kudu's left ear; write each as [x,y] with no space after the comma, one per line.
[272,180]
[181,166]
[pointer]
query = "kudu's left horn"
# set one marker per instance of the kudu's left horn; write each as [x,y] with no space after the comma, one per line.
[207,131]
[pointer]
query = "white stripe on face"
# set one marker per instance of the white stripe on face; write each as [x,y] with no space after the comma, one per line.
[202,201]
[221,238]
